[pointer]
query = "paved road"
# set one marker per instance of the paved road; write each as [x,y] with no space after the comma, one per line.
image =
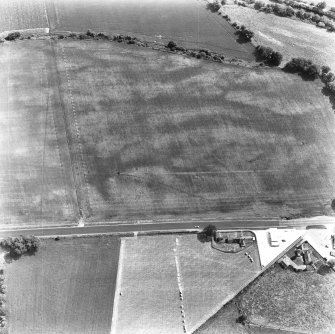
[169,226]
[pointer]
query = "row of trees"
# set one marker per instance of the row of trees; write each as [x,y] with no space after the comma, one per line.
[319,8]
[287,11]
[306,68]
[196,53]
[3,308]
[20,245]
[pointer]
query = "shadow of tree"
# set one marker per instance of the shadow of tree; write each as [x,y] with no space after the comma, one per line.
[327,92]
[203,237]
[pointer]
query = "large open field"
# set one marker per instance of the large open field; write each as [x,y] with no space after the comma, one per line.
[167,136]
[156,269]
[185,21]
[67,287]
[292,38]
[36,183]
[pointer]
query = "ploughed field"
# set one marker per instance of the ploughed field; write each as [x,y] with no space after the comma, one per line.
[67,287]
[36,183]
[185,21]
[162,135]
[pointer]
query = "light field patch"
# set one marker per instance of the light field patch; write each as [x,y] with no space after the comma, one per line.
[168,279]
[35,172]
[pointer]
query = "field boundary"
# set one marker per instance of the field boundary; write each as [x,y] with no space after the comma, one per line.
[117,288]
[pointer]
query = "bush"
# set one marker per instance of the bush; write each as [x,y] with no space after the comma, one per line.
[289,11]
[171,45]
[331,86]
[321,5]
[90,33]
[13,36]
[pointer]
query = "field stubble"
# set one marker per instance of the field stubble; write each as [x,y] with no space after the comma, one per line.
[67,287]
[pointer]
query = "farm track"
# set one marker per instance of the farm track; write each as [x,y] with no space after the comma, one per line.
[72,136]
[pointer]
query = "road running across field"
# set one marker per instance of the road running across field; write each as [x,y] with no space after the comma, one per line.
[167,227]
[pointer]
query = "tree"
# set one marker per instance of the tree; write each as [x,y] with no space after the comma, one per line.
[245,33]
[207,233]
[223,2]
[268,55]
[13,36]
[258,5]
[321,5]
[20,245]
[289,11]
[213,6]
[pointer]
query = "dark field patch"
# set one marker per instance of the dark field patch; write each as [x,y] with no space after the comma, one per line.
[220,140]
[187,22]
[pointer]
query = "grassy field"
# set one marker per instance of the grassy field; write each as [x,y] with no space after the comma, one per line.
[292,38]
[22,14]
[156,268]
[185,21]
[36,184]
[283,298]
[67,287]
[167,136]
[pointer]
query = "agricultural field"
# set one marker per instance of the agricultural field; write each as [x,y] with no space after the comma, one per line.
[155,269]
[36,182]
[292,38]
[22,14]
[165,136]
[185,21]
[67,287]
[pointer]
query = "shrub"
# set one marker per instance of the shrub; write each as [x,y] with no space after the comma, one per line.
[73,35]
[315,18]
[289,11]
[327,77]
[331,86]
[325,69]
[90,33]
[13,36]
[321,5]
[102,35]
[171,45]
